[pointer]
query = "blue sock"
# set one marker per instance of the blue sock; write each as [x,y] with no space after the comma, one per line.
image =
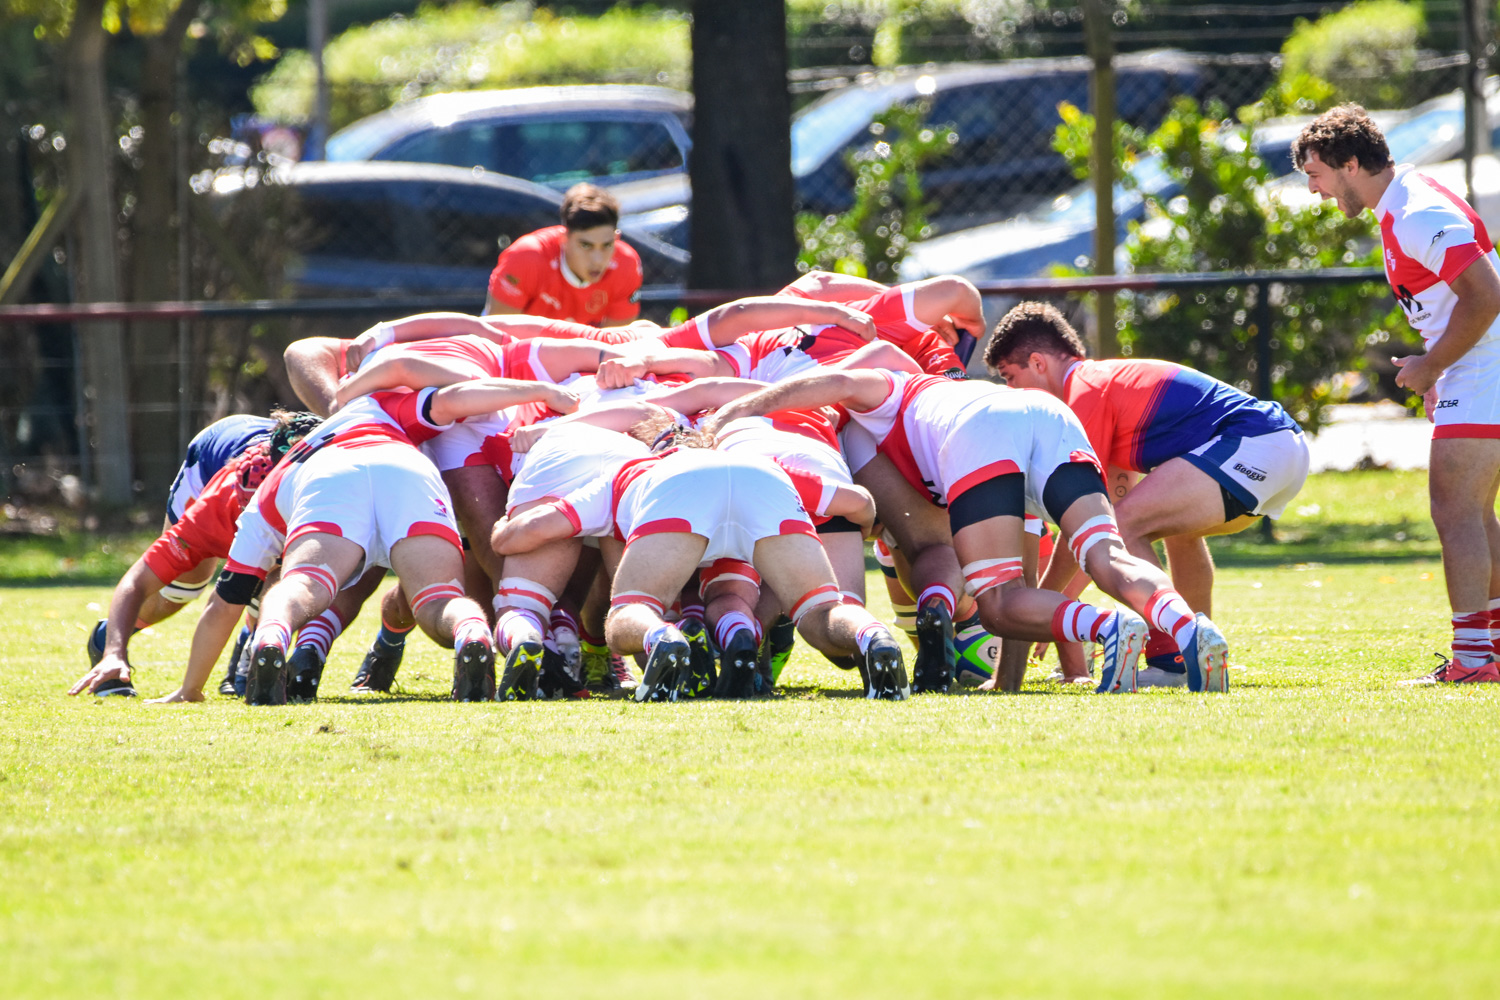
[390,638]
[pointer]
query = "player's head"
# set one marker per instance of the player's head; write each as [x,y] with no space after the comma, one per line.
[592,217]
[291,426]
[1033,346]
[667,429]
[1340,151]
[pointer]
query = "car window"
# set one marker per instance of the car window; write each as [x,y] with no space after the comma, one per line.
[556,153]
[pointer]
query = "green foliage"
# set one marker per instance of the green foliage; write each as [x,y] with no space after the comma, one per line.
[1222,218]
[1367,51]
[467,46]
[888,213]
[1299,94]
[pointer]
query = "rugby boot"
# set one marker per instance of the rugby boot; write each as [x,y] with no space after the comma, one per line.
[266,684]
[1207,657]
[737,667]
[305,667]
[95,644]
[702,668]
[227,685]
[378,671]
[936,655]
[523,668]
[474,672]
[667,659]
[1122,641]
[555,680]
[1449,672]
[884,670]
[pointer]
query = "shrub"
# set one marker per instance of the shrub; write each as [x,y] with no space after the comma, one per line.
[1367,51]
[468,46]
[888,213]
[1219,219]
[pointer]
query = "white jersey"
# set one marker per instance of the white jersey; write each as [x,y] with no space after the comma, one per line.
[568,458]
[1430,235]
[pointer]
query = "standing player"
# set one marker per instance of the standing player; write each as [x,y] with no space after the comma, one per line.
[1214,458]
[1441,263]
[580,271]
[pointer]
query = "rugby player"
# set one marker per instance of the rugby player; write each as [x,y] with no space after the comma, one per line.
[580,271]
[1213,458]
[990,454]
[1441,264]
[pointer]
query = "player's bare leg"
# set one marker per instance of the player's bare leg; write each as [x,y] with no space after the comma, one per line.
[1462,479]
[431,573]
[478,502]
[523,609]
[797,569]
[377,672]
[315,639]
[651,573]
[312,569]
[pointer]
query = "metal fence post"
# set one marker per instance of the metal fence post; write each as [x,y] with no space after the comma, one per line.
[1263,383]
[1099,37]
[1476,35]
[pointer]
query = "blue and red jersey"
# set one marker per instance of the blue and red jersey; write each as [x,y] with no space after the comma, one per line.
[1139,414]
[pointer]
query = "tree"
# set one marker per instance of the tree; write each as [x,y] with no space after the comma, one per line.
[742,147]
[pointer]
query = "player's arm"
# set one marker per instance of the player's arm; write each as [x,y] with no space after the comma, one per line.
[136,587]
[399,371]
[532,529]
[618,417]
[859,390]
[880,354]
[1478,289]
[215,627]
[705,394]
[727,323]
[828,286]
[312,367]
[949,304]
[855,504]
[409,329]
[486,395]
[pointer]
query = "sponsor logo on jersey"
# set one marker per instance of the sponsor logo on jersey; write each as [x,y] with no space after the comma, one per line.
[1409,302]
[512,279]
[1443,404]
[554,303]
[1439,236]
[1254,475]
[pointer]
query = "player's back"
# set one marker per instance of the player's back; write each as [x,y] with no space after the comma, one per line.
[213,447]
[1141,413]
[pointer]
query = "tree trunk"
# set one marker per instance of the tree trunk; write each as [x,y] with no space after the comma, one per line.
[741,164]
[90,170]
[154,361]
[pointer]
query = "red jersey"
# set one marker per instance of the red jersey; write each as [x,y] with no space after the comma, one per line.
[483,357]
[529,277]
[206,528]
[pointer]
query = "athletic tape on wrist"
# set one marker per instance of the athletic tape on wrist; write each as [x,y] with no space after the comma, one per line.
[983,575]
[1091,533]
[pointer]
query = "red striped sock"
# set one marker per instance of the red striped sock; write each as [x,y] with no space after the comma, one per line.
[1169,612]
[1074,621]
[942,593]
[1495,627]
[1471,638]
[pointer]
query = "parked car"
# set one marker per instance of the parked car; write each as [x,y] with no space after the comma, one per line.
[417,228]
[1062,231]
[1005,115]
[556,136]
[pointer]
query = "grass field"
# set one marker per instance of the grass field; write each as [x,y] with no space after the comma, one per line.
[1318,832]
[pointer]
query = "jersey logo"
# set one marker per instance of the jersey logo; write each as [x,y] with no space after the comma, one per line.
[1409,302]
[1439,236]
[512,279]
[442,508]
[554,303]
[1443,404]
[1254,475]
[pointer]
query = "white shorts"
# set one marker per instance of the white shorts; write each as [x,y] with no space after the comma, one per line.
[990,442]
[569,458]
[858,446]
[1469,397]
[1263,472]
[815,469]
[732,500]
[463,443]
[374,496]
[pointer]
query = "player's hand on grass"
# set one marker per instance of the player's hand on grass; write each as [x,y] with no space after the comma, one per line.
[1418,374]
[107,669]
[178,697]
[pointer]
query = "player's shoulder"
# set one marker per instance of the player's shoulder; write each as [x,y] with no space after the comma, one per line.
[1418,206]
[540,242]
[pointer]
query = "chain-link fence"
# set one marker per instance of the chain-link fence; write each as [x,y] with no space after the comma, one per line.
[425,209]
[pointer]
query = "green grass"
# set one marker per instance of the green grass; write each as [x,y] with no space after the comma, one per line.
[1317,832]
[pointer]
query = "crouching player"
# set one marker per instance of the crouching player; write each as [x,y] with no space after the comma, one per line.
[357,494]
[989,455]
[690,506]
[1214,458]
[225,464]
